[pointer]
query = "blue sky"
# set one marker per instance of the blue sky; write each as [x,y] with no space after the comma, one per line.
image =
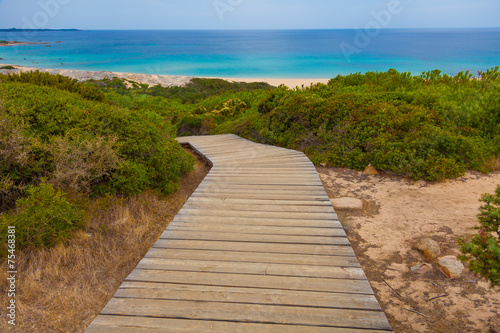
[248,14]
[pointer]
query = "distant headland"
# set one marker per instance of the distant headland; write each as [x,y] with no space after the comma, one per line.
[15,42]
[31,30]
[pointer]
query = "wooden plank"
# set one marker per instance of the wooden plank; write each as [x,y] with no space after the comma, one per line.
[217,189]
[211,266]
[267,230]
[202,199]
[254,257]
[255,171]
[258,214]
[262,168]
[263,154]
[267,161]
[134,324]
[260,208]
[285,189]
[267,186]
[244,237]
[222,194]
[262,248]
[247,295]
[253,281]
[310,223]
[256,313]
[280,179]
[262,157]
[257,181]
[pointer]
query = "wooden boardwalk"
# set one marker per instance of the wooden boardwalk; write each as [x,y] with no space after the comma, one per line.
[257,248]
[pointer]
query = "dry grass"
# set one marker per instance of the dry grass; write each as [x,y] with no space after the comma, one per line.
[62,289]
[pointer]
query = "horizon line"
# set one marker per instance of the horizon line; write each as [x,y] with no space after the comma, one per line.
[246,29]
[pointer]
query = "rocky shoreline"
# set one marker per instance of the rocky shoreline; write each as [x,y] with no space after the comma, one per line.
[13,43]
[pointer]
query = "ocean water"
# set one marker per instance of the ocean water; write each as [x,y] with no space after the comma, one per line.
[259,53]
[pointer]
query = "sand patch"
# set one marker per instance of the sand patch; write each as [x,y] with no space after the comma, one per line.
[396,214]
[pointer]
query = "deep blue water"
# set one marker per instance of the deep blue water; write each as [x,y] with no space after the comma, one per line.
[260,53]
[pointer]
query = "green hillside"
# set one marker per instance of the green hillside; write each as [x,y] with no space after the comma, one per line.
[61,140]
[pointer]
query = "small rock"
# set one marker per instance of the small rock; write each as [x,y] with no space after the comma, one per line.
[450,266]
[324,165]
[347,203]
[370,170]
[429,248]
[421,269]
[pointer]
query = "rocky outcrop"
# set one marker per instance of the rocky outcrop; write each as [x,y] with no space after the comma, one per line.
[370,170]
[450,266]
[429,248]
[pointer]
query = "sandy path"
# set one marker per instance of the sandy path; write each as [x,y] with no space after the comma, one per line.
[396,214]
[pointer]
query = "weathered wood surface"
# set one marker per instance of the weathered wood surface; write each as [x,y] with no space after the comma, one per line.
[257,248]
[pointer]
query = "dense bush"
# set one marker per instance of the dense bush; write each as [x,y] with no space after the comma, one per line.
[43,218]
[84,144]
[483,251]
[18,158]
[432,126]
[197,90]
[56,81]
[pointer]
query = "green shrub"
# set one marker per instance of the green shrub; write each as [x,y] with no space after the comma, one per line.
[7,67]
[273,99]
[43,218]
[197,90]
[483,251]
[73,136]
[80,162]
[431,127]
[18,159]
[56,81]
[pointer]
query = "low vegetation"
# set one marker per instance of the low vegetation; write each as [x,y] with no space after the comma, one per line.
[483,251]
[103,138]
[433,126]
[63,139]
[71,150]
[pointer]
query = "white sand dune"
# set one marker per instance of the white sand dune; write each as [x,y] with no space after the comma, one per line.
[152,79]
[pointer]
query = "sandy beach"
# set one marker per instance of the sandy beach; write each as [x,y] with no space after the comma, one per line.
[152,79]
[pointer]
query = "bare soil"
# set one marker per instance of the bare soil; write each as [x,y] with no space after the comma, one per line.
[396,214]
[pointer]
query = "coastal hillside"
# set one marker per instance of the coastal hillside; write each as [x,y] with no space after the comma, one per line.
[60,138]
[98,164]
[432,126]
[116,137]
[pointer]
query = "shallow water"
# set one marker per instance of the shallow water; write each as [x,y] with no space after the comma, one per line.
[259,53]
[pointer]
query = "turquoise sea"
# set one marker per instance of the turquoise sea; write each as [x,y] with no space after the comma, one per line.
[259,53]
